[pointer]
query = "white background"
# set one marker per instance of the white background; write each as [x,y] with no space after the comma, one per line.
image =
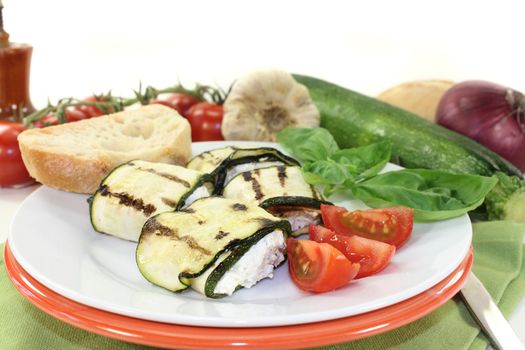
[85,47]
[81,47]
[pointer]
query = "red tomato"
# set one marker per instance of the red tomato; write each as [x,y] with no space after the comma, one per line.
[47,120]
[205,120]
[72,115]
[178,101]
[390,225]
[92,111]
[318,267]
[12,169]
[373,256]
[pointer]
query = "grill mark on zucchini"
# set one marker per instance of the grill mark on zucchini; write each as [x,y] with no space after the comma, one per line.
[281,173]
[192,243]
[239,207]
[153,227]
[167,176]
[264,221]
[169,202]
[256,186]
[221,235]
[128,200]
[210,156]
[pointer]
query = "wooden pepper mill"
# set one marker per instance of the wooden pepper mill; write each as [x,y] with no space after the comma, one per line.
[15,64]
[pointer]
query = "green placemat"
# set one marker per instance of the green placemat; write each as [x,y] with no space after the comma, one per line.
[498,255]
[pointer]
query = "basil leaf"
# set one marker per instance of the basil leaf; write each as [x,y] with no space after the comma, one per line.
[364,162]
[433,194]
[308,144]
[326,173]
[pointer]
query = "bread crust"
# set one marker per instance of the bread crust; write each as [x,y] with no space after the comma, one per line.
[63,171]
[68,171]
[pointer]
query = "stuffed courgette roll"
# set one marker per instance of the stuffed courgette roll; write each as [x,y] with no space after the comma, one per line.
[205,245]
[282,191]
[225,163]
[137,190]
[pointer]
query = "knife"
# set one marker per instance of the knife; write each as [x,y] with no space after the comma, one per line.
[488,315]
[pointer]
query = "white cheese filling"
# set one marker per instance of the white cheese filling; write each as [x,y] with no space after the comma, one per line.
[299,219]
[241,168]
[257,263]
[199,193]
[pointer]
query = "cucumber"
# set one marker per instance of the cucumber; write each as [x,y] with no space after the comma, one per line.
[357,120]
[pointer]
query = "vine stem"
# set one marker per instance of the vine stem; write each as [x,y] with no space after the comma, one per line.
[108,102]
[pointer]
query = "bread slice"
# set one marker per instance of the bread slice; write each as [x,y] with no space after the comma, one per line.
[75,157]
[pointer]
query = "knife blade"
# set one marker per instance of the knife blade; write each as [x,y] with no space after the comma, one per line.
[488,315]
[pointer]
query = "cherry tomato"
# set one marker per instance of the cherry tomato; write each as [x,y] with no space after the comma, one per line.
[178,101]
[318,267]
[92,111]
[373,256]
[72,115]
[205,120]
[390,225]
[12,169]
[47,120]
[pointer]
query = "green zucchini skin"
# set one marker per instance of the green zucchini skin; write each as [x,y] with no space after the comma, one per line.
[122,214]
[232,156]
[236,254]
[270,153]
[176,247]
[294,201]
[356,120]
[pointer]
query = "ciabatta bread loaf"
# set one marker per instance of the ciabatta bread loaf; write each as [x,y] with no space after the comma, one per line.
[76,156]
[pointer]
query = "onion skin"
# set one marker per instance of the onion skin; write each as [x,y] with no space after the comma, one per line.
[491,114]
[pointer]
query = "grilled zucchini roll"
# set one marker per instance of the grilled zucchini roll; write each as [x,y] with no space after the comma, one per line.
[282,191]
[137,190]
[215,245]
[225,163]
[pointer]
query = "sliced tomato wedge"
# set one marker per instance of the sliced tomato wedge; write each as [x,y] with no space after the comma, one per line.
[318,267]
[390,225]
[373,256]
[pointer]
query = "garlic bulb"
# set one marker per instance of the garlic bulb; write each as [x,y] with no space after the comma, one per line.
[264,102]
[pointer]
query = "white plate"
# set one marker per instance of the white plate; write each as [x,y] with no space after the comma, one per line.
[52,239]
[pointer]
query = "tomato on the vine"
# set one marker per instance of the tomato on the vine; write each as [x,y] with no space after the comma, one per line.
[47,120]
[93,111]
[205,119]
[390,225]
[178,101]
[318,267]
[12,169]
[72,115]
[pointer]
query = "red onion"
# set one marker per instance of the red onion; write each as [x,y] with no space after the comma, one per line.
[491,114]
